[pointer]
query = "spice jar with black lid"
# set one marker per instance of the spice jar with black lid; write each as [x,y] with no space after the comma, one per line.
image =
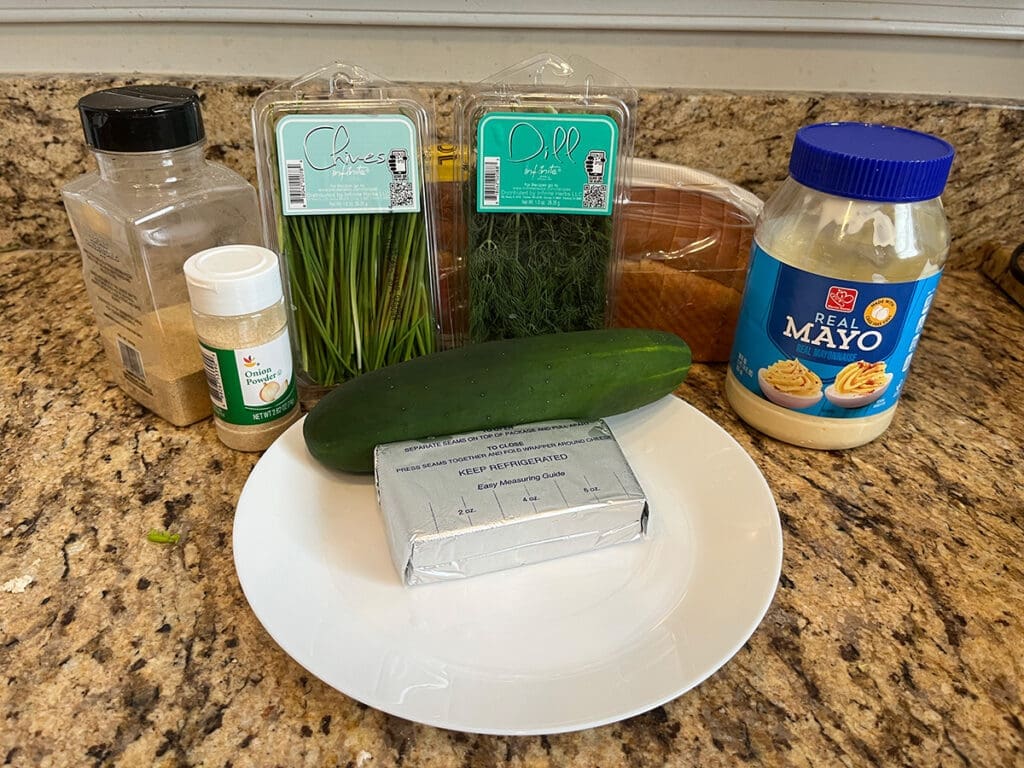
[153,202]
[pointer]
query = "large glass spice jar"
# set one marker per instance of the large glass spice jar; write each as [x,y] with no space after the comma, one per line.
[153,202]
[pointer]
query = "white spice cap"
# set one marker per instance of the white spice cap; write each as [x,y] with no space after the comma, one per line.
[232,280]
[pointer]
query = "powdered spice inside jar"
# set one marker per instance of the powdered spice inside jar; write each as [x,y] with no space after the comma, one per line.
[239,316]
[154,201]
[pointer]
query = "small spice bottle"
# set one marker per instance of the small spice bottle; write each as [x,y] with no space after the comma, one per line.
[846,260]
[239,315]
[153,201]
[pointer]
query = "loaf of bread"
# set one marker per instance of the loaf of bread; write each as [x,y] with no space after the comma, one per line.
[683,265]
[689,228]
[698,309]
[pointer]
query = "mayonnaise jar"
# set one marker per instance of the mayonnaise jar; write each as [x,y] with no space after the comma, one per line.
[846,259]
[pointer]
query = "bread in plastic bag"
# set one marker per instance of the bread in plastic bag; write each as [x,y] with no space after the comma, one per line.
[683,256]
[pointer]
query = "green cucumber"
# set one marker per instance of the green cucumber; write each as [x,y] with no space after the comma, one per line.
[582,375]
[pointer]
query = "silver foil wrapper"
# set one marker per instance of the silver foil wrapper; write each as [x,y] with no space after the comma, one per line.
[469,504]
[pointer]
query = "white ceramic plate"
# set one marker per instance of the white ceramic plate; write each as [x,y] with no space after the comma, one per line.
[553,647]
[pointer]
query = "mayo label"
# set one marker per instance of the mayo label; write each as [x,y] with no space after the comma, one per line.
[824,346]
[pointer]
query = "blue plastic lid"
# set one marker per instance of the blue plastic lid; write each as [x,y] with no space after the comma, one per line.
[865,161]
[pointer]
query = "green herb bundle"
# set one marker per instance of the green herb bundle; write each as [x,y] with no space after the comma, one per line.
[360,287]
[532,273]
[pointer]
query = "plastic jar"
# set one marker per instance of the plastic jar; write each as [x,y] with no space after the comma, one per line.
[154,201]
[846,259]
[239,314]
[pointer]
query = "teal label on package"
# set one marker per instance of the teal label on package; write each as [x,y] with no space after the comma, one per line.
[546,163]
[253,385]
[348,164]
[823,346]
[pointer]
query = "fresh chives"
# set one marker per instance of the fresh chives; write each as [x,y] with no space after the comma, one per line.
[359,285]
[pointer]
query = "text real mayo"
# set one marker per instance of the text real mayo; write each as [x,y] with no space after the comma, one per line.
[846,259]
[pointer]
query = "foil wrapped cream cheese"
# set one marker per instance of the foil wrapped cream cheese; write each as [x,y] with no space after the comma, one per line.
[484,501]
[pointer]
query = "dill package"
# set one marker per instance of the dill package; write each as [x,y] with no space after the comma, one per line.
[341,159]
[547,146]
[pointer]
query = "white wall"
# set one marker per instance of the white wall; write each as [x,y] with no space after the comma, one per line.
[939,47]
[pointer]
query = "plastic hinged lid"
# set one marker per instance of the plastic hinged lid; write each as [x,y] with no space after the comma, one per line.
[343,160]
[546,146]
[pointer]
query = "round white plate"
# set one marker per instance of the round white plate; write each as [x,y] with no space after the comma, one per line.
[553,647]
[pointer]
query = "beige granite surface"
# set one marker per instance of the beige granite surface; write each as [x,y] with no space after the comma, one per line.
[743,137]
[895,636]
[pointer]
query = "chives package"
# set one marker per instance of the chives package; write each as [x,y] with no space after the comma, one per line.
[341,158]
[547,145]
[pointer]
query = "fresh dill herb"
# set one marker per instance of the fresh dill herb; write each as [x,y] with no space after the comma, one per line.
[531,274]
[163,537]
[359,285]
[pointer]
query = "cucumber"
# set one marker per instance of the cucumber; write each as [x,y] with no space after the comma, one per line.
[581,375]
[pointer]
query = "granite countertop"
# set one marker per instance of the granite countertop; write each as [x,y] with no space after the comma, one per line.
[894,637]
[895,634]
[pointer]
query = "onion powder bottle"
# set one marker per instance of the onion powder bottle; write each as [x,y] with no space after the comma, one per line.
[239,315]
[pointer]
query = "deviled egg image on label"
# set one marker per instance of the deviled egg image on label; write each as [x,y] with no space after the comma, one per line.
[858,384]
[790,383]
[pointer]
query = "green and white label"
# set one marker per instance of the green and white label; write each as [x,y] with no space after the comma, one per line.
[252,385]
[546,163]
[348,164]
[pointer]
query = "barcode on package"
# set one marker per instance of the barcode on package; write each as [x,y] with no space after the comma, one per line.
[295,173]
[492,176]
[213,378]
[131,360]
